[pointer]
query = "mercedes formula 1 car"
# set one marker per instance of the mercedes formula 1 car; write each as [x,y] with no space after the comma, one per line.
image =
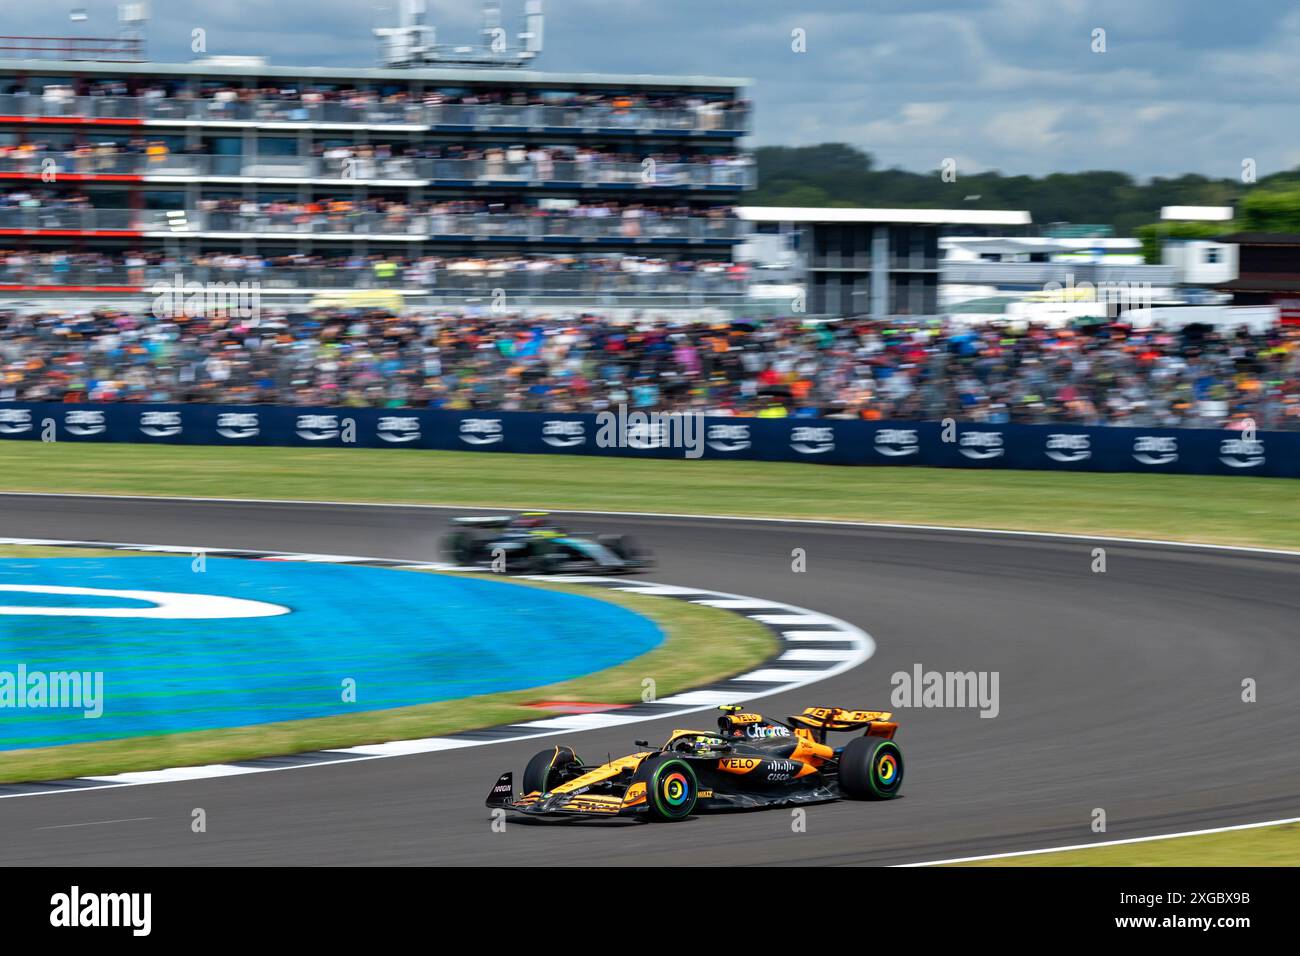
[748,762]
[532,543]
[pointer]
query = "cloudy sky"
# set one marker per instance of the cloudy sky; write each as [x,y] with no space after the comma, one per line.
[1013,85]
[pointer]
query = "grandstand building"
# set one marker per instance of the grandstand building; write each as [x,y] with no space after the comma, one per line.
[450,183]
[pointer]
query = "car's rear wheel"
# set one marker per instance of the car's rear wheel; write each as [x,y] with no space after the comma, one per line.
[671,789]
[621,545]
[871,768]
[461,547]
[546,770]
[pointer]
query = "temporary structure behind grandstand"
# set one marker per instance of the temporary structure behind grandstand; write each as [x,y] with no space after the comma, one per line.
[414,42]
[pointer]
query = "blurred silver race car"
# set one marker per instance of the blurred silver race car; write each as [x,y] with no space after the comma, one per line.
[531,543]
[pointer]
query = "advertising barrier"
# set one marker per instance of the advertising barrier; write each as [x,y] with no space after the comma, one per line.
[829,441]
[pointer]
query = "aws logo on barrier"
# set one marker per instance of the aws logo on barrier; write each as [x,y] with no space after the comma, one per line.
[239,425]
[812,439]
[325,428]
[1155,449]
[1242,452]
[981,446]
[15,421]
[1068,448]
[160,424]
[897,442]
[728,438]
[481,431]
[399,429]
[564,434]
[84,422]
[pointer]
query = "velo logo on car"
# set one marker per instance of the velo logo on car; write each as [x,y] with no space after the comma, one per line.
[1155,449]
[1068,448]
[238,425]
[897,442]
[399,428]
[564,434]
[812,439]
[481,431]
[160,424]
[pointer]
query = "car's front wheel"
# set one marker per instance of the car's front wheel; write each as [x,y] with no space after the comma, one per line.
[549,768]
[871,768]
[671,789]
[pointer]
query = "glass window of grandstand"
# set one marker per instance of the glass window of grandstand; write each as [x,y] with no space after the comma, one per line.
[277,146]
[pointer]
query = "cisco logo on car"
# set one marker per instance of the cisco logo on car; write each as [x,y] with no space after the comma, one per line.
[897,442]
[981,445]
[812,440]
[562,434]
[1242,452]
[318,427]
[1155,449]
[239,425]
[84,422]
[728,437]
[399,428]
[15,421]
[160,424]
[1068,447]
[481,431]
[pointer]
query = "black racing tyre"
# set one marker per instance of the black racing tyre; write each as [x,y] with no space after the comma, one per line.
[540,558]
[545,771]
[671,789]
[871,768]
[620,544]
[461,547]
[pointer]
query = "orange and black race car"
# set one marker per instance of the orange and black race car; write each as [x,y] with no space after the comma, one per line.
[748,762]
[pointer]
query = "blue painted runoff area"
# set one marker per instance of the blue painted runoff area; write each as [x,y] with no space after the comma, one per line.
[295,636]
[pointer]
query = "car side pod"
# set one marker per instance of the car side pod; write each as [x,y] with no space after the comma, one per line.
[502,793]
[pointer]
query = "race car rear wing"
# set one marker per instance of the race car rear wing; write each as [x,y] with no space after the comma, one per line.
[823,719]
[491,521]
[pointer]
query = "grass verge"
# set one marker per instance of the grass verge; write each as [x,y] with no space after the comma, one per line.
[701,645]
[1264,846]
[1226,510]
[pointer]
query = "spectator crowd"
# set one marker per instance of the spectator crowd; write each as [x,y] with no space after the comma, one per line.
[1084,375]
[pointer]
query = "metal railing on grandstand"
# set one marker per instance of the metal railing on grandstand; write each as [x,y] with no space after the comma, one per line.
[1041,273]
[90,161]
[424,226]
[69,219]
[470,280]
[597,117]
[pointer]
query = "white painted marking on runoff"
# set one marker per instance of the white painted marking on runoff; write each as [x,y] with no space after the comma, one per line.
[816,636]
[785,620]
[773,675]
[585,721]
[169,605]
[744,604]
[1093,846]
[815,654]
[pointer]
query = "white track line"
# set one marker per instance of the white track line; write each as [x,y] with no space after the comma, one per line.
[831,522]
[1093,846]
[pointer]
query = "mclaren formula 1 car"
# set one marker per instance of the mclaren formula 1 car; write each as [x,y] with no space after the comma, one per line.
[748,762]
[532,543]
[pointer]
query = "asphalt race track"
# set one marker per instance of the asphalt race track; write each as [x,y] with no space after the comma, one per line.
[1119,691]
